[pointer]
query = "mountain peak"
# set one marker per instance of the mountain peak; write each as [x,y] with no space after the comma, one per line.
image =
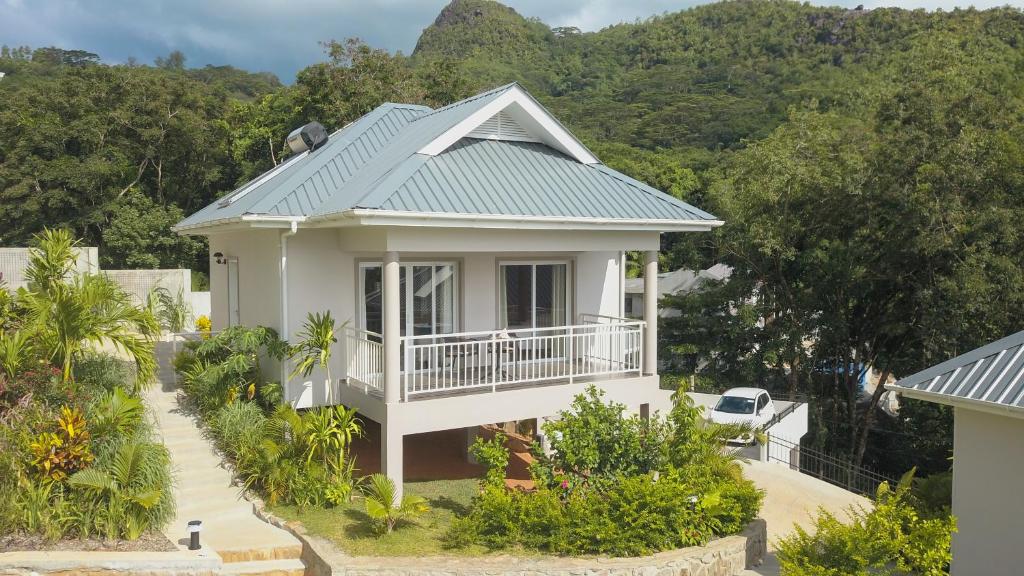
[463,26]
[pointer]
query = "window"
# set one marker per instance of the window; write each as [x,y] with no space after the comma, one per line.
[427,293]
[762,401]
[533,295]
[735,405]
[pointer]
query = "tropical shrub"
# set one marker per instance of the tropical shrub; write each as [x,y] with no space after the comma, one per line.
[227,366]
[172,311]
[57,454]
[76,455]
[204,326]
[614,484]
[891,538]
[493,456]
[129,489]
[384,507]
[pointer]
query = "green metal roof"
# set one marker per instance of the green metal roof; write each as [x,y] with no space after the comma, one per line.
[375,164]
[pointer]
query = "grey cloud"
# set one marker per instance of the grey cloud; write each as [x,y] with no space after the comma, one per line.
[283,36]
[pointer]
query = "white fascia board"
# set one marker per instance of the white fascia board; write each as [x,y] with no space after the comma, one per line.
[237,223]
[565,141]
[433,219]
[960,402]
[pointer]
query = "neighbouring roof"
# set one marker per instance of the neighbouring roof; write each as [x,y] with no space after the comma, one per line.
[681,281]
[498,154]
[989,378]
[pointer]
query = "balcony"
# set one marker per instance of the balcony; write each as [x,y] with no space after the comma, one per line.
[439,365]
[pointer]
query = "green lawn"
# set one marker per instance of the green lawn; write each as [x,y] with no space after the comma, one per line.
[351,530]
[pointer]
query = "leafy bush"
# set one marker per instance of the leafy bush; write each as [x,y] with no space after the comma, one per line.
[129,491]
[57,454]
[613,486]
[225,367]
[383,505]
[98,372]
[891,538]
[595,441]
[493,456]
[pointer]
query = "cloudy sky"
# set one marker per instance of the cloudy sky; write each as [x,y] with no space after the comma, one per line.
[282,35]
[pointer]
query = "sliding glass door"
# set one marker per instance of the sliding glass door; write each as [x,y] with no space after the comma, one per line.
[427,293]
[533,295]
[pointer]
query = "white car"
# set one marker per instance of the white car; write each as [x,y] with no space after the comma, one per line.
[751,406]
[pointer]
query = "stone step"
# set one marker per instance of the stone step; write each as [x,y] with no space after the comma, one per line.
[288,567]
[264,554]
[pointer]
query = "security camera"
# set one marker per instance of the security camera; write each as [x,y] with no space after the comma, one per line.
[219,256]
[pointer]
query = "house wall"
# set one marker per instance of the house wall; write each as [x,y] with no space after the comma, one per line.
[988,467]
[258,253]
[323,275]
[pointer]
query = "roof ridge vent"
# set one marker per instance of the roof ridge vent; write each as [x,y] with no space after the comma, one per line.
[502,126]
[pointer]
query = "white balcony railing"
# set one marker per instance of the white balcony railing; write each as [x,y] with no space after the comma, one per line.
[492,360]
[365,359]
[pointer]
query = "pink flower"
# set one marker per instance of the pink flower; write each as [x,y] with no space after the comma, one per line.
[565,484]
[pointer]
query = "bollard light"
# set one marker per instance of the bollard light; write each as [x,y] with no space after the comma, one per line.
[193,534]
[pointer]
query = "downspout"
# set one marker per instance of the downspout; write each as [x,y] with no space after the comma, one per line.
[284,304]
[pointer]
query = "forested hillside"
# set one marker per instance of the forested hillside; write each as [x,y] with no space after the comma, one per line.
[868,163]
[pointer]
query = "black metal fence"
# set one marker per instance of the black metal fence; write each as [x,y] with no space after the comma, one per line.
[827,467]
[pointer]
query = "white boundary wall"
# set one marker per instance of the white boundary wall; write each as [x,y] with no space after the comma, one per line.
[13,262]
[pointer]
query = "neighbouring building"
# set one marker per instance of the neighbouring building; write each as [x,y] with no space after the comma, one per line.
[473,252]
[681,281]
[985,387]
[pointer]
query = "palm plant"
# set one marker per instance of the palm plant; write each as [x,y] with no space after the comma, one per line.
[313,349]
[328,430]
[88,310]
[173,312]
[115,412]
[15,352]
[68,314]
[132,484]
[384,506]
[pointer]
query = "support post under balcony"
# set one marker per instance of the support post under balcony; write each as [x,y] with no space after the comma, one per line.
[651,312]
[392,329]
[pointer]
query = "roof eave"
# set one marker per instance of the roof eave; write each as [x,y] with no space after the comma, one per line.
[960,402]
[243,222]
[375,217]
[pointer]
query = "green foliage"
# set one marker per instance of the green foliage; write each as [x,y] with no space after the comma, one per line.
[594,441]
[173,312]
[139,235]
[384,506]
[493,456]
[614,485]
[313,349]
[129,488]
[891,538]
[66,315]
[57,454]
[115,414]
[226,366]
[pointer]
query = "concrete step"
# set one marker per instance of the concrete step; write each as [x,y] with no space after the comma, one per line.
[262,554]
[289,567]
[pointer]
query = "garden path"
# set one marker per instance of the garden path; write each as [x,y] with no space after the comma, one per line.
[204,490]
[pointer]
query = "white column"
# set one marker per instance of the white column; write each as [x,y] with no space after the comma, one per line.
[392,329]
[391,440]
[651,312]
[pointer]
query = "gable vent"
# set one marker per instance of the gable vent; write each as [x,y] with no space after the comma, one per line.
[502,126]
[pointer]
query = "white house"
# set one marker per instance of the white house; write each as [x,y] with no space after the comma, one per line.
[475,252]
[681,281]
[985,387]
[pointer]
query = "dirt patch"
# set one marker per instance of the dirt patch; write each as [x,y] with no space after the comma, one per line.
[148,542]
